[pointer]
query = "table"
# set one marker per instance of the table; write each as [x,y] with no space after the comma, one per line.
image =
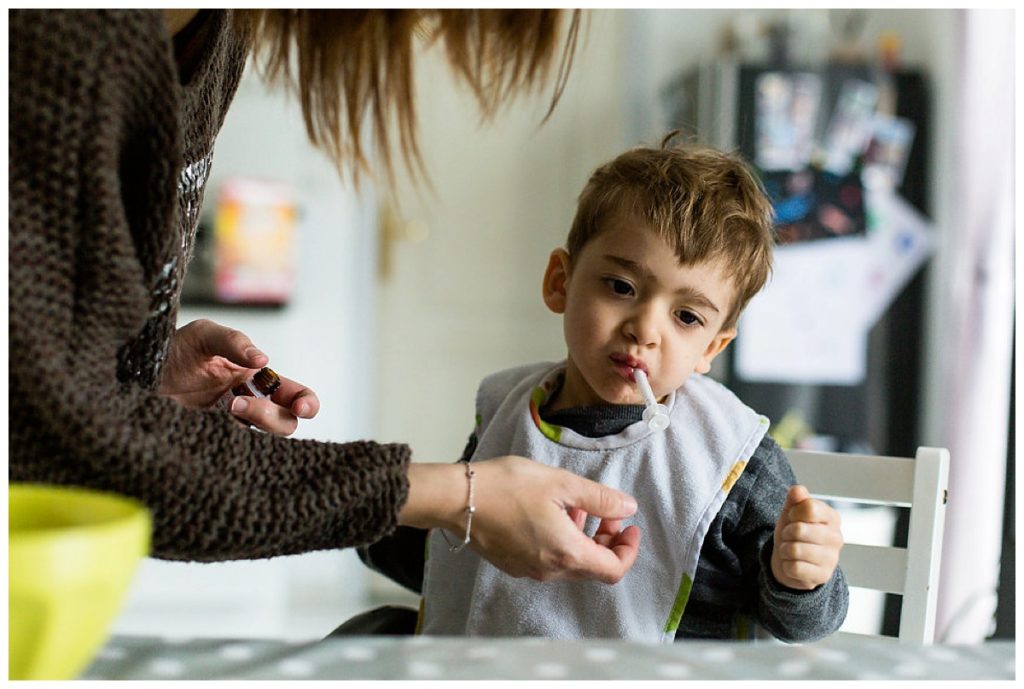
[437,658]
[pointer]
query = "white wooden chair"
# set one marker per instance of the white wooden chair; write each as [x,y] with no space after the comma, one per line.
[919,483]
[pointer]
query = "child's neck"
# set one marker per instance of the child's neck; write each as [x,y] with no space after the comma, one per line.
[556,402]
[595,421]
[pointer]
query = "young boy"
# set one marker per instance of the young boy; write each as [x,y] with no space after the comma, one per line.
[667,247]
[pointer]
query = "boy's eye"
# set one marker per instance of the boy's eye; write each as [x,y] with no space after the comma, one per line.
[619,287]
[688,317]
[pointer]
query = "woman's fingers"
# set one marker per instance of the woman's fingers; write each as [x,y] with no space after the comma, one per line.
[596,499]
[526,523]
[264,414]
[281,413]
[606,558]
[626,545]
[297,398]
[207,359]
[578,516]
[215,339]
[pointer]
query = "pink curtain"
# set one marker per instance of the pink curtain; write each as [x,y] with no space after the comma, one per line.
[978,285]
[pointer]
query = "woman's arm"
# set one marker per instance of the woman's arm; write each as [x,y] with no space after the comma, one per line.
[92,218]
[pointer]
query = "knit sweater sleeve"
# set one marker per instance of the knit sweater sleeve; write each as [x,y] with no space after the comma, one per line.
[82,262]
[789,614]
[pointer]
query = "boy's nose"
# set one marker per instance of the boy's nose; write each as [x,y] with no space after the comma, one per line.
[641,327]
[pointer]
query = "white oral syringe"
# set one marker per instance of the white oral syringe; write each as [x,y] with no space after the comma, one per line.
[656,415]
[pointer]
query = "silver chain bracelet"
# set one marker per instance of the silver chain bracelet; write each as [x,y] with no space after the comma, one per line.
[470,509]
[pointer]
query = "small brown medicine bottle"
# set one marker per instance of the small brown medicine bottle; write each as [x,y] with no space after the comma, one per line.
[263,384]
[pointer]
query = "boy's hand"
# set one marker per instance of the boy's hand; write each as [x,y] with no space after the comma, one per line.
[807,541]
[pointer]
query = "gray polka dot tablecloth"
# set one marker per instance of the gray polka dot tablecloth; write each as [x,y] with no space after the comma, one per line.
[412,658]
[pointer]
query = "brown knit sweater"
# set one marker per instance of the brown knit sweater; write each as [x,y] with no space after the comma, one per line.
[109,154]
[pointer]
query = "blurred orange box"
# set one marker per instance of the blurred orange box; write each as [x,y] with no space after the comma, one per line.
[254,231]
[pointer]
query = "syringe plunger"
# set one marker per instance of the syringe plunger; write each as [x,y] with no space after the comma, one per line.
[656,415]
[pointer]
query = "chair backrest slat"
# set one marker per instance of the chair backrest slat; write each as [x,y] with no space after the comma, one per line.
[857,477]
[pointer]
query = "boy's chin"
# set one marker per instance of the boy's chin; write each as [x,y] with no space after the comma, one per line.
[629,398]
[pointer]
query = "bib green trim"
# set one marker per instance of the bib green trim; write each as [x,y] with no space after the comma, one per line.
[742,628]
[679,606]
[550,431]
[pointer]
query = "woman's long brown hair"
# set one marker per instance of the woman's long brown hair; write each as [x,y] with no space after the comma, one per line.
[354,64]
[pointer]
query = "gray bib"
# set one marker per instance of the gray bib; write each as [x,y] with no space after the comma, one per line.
[680,477]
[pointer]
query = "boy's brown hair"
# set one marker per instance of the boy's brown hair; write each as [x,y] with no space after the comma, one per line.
[708,205]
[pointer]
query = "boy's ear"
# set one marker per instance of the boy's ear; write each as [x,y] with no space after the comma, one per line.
[715,347]
[556,280]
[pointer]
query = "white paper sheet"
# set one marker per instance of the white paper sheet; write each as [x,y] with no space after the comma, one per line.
[804,327]
[810,324]
[899,240]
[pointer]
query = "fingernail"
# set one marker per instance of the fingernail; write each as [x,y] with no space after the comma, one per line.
[239,405]
[629,504]
[302,409]
[253,353]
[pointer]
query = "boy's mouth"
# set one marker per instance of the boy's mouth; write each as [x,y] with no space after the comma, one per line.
[625,364]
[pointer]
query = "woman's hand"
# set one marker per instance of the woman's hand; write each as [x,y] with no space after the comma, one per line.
[206,359]
[522,523]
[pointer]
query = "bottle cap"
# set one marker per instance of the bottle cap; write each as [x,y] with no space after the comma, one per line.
[266,381]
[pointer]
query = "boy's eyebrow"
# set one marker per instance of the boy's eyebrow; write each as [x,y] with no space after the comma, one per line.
[691,293]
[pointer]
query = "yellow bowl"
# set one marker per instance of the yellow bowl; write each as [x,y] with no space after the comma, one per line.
[72,556]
